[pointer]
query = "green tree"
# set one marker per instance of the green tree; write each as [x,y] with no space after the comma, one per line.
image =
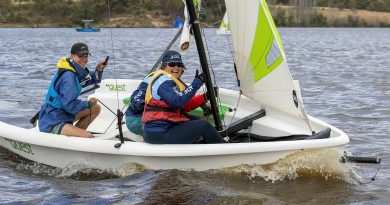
[378,5]
[362,4]
[280,17]
[318,20]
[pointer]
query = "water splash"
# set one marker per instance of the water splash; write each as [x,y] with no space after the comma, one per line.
[314,162]
[82,171]
[130,169]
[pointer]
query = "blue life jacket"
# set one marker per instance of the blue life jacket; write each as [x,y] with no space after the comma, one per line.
[52,98]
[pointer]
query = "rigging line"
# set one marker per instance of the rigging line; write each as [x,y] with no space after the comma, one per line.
[227,36]
[212,70]
[305,116]
[107,107]
[113,52]
[111,112]
[234,61]
[235,110]
[113,121]
[372,178]
[168,47]
[209,57]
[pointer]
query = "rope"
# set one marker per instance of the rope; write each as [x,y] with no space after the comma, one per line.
[212,70]
[119,113]
[227,36]
[306,118]
[372,178]
[113,52]
[113,120]
[111,112]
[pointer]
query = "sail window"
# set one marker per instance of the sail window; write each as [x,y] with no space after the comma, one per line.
[273,54]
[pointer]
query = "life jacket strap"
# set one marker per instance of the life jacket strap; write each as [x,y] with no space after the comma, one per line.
[159,109]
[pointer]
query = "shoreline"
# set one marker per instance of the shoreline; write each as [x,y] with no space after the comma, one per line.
[283,16]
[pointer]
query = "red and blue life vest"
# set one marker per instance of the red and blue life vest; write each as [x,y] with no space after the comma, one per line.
[159,109]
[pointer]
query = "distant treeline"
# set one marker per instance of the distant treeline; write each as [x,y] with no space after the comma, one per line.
[67,13]
[371,5]
[335,13]
[161,13]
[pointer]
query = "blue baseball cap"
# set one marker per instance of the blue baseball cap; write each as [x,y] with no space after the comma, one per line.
[171,56]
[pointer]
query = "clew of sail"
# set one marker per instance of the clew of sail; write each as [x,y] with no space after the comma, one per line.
[260,59]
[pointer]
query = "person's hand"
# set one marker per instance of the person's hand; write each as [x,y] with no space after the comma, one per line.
[100,67]
[206,110]
[206,97]
[201,76]
[92,102]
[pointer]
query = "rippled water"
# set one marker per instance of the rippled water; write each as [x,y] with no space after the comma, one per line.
[345,80]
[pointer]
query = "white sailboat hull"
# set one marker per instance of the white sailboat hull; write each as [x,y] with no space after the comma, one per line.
[61,151]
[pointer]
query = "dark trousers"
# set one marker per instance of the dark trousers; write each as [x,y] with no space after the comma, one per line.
[186,133]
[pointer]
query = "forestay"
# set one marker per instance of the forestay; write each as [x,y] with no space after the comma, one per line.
[260,58]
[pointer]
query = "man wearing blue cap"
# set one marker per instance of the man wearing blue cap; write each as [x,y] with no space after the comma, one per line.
[62,107]
[167,100]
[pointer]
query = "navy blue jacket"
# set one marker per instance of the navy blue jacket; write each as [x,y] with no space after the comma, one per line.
[137,99]
[50,116]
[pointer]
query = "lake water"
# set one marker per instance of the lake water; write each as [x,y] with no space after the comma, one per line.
[345,80]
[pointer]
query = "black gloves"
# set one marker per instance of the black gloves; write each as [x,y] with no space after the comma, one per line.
[206,110]
[206,97]
[201,76]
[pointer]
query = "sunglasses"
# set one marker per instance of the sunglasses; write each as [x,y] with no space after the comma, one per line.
[173,64]
[83,55]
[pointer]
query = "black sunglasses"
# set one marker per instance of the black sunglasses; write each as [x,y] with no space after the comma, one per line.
[173,64]
[83,55]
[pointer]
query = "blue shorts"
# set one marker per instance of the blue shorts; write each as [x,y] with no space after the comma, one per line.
[134,124]
[58,128]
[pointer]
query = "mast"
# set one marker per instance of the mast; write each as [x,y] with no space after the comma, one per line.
[203,62]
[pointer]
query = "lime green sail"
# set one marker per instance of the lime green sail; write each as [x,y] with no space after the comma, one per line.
[265,41]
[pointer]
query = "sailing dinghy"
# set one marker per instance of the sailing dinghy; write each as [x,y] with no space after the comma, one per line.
[268,124]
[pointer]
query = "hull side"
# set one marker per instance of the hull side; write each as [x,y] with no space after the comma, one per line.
[63,158]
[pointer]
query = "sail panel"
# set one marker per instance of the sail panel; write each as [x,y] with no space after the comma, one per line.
[274,56]
[259,56]
[262,44]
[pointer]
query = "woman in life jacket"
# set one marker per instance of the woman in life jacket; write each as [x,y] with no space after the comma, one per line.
[167,99]
[133,114]
[62,107]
